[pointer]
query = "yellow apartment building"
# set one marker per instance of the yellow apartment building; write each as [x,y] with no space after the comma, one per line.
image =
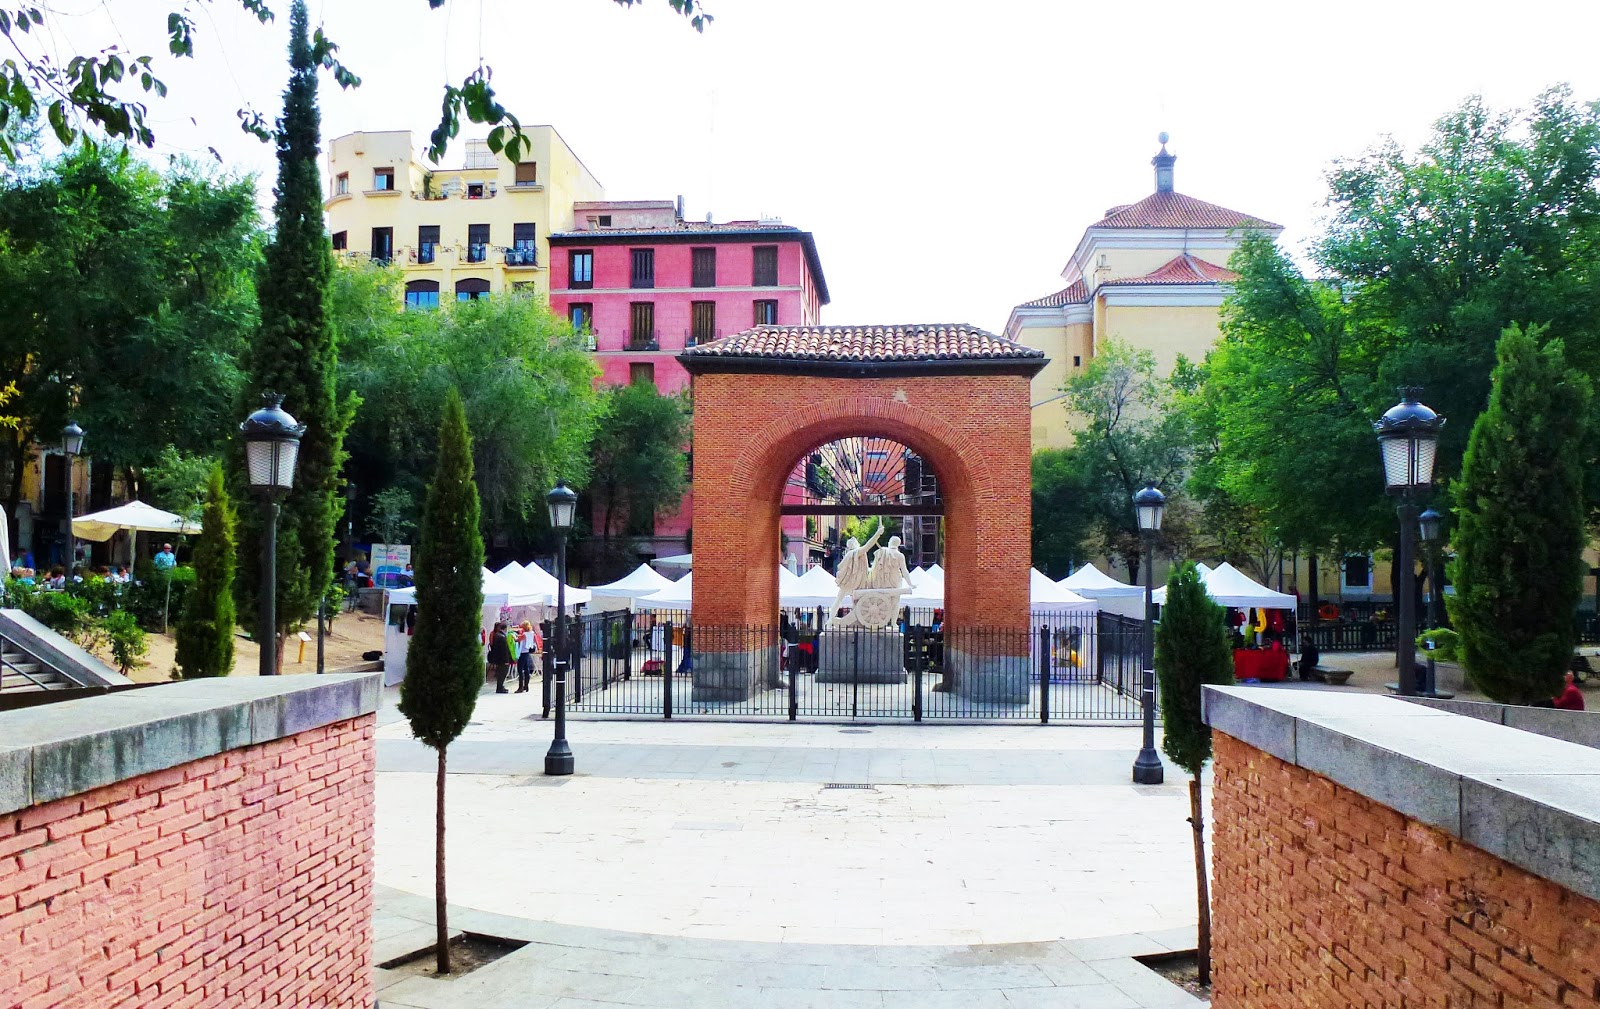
[1152,274]
[457,233]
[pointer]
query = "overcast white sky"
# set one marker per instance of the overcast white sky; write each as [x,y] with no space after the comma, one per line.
[947,155]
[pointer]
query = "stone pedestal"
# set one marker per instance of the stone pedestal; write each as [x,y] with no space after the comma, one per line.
[734,675]
[861,656]
[990,679]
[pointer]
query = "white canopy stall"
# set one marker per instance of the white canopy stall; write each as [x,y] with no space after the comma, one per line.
[533,578]
[814,588]
[1114,597]
[620,594]
[1228,586]
[677,596]
[502,599]
[1045,596]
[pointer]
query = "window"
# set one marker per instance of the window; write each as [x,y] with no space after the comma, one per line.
[477,243]
[642,325]
[474,190]
[604,221]
[581,316]
[341,241]
[705,268]
[422,294]
[383,179]
[702,321]
[341,184]
[524,249]
[766,313]
[471,289]
[1077,360]
[766,266]
[641,373]
[527,173]
[1357,571]
[383,244]
[644,268]
[580,271]
[427,243]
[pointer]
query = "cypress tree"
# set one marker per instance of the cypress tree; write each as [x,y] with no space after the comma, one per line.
[205,633]
[444,665]
[1519,537]
[1192,649]
[295,354]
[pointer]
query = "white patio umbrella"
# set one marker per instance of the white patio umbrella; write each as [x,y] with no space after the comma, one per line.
[136,516]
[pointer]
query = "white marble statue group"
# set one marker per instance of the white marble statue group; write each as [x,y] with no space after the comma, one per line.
[874,589]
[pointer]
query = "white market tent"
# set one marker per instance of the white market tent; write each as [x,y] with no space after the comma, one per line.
[136,516]
[676,596]
[929,593]
[1045,596]
[916,574]
[814,588]
[499,595]
[1090,581]
[677,560]
[1228,586]
[532,578]
[498,592]
[620,594]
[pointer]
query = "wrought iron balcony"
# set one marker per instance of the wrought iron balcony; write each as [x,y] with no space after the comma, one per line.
[523,256]
[427,252]
[477,253]
[644,341]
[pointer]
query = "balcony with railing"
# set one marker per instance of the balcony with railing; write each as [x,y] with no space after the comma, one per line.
[477,253]
[644,340]
[427,253]
[523,257]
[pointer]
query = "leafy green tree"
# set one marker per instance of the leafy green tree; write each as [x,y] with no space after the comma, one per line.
[205,632]
[295,354]
[1128,433]
[637,457]
[1520,529]
[526,380]
[179,483]
[445,665]
[390,521]
[110,90]
[1192,650]
[127,293]
[1066,508]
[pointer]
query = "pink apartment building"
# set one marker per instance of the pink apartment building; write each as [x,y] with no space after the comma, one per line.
[645,284]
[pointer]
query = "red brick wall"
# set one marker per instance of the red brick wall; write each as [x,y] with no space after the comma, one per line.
[1322,897]
[750,430]
[242,879]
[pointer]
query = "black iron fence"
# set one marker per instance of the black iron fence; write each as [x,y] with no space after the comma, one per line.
[1063,668]
[1350,635]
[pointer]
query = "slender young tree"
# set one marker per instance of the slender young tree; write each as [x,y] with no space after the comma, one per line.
[295,354]
[444,666]
[1520,523]
[205,633]
[1192,650]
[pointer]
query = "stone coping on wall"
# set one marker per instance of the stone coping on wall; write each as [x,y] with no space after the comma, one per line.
[58,750]
[1529,799]
[1557,723]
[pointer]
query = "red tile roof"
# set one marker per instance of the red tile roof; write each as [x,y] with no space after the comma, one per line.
[1186,269]
[1175,210]
[932,342]
[1077,294]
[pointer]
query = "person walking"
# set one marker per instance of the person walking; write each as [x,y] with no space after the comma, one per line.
[528,642]
[499,656]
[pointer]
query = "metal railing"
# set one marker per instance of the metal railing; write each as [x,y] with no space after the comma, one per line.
[1350,635]
[426,253]
[644,341]
[7,667]
[477,253]
[522,257]
[1063,668]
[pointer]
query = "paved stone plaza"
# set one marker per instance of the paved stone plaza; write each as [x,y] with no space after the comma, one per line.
[1008,847]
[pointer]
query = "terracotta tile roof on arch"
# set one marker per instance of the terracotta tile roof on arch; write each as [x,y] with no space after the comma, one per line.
[1175,210]
[1076,294]
[930,342]
[1185,269]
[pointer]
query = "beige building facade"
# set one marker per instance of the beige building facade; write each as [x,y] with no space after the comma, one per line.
[1152,274]
[457,233]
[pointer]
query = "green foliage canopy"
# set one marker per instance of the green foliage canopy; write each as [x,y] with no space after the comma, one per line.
[444,666]
[637,456]
[1066,506]
[205,631]
[1192,649]
[1520,528]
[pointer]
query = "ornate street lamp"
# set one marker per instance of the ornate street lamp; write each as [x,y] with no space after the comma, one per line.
[1432,525]
[1408,435]
[71,445]
[271,446]
[563,507]
[1149,505]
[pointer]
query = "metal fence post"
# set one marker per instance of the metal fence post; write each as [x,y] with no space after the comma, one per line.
[919,658]
[547,667]
[1044,675]
[575,661]
[666,671]
[855,671]
[794,684]
[627,641]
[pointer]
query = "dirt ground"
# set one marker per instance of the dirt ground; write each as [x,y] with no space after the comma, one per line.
[1371,672]
[350,635]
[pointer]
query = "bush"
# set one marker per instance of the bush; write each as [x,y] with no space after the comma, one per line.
[146,598]
[1440,642]
[126,639]
[62,612]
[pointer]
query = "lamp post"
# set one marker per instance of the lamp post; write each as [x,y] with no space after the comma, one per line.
[563,504]
[271,446]
[1432,525]
[1149,505]
[1408,435]
[71,445]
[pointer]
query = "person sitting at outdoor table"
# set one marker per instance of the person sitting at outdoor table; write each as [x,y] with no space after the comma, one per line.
[1570,698]
[23,574]
[57,579]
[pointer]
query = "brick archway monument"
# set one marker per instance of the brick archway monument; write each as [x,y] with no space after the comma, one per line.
[954,394]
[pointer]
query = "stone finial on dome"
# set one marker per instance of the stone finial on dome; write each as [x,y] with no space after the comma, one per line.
[1163,163]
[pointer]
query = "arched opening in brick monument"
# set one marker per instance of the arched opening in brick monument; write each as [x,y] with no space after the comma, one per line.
[765,400]
[853,484]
